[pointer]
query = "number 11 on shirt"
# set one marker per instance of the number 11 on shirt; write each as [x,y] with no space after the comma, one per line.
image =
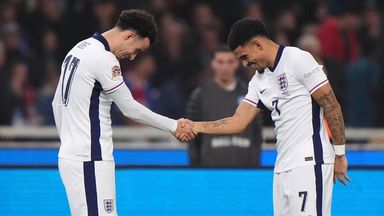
[68,78]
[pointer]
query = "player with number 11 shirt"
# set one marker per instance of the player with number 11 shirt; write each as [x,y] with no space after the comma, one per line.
[90,81]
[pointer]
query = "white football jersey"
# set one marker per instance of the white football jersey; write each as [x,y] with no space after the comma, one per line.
[89,72]
[286,90]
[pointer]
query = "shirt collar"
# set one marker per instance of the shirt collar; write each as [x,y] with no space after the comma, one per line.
[102,39]
[277,59]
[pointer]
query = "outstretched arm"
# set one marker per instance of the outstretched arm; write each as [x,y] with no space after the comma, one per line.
[244,114]
[325,97]
[136,111]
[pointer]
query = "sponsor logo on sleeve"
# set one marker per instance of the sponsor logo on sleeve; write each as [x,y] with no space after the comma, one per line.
[116,72]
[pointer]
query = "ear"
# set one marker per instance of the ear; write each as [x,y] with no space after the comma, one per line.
[257,43]
[128,34]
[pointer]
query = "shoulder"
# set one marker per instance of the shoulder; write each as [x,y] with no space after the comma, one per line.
[106,63]
[295,53]
[255,79]
[93,49]
[106,57]
[298,59]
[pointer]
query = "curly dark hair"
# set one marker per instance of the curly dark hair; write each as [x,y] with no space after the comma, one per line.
[139,21]
[244,30]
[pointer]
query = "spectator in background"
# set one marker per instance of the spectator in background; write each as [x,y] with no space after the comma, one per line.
[48,59]
[207,29]
[159,7]
[16,47]
[362,79]
[253,10]
[177,64]
[49,14]
[209,41]
[8,14]
[45,97]
[338,34]
[5,92]
[170,53]
[363,75]
[286,27]
[46,75]
[380,58]
[23,96]
[203,18]
[105,14]
[216,99]
[369,32]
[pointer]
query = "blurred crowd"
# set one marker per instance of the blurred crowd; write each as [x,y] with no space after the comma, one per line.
[345,36]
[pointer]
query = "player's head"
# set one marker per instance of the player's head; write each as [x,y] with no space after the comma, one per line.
[139,31]
[224,63]
[247,39]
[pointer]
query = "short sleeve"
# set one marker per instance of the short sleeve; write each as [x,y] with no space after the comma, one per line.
[251,97]
[308,71]
[108,72]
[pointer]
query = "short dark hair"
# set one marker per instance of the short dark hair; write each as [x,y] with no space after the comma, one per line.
[244,30]
[140,21]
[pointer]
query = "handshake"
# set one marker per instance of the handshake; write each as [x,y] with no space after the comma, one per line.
[185,131]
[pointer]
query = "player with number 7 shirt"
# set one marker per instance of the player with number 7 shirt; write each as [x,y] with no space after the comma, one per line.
[290,84]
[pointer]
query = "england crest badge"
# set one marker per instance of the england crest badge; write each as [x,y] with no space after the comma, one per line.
[108,205]
[282,82]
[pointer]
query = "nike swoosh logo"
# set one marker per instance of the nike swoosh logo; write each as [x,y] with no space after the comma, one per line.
[262,91]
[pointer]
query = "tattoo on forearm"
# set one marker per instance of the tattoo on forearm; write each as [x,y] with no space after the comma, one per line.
[332,112]
[216,124]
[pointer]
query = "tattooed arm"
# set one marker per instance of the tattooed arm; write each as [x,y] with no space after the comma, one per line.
[244,114]
[325,97]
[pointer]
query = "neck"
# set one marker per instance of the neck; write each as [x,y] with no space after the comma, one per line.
[110,36]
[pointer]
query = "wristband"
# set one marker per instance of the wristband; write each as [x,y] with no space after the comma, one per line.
[339,149]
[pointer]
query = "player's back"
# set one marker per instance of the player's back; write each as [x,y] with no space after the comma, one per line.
[85,130]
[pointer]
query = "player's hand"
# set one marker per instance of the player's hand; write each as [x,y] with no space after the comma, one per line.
[184,131]
[340,172]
